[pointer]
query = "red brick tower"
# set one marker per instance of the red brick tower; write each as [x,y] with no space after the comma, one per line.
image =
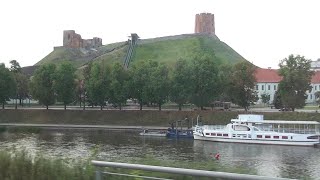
[205,23]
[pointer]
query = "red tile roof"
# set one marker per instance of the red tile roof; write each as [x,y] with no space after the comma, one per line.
[316,78]
[267,76]
[272,76]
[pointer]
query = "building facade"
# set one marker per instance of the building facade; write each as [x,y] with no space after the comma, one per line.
[269,79]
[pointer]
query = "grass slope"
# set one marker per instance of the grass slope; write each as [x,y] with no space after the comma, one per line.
[78,57]
[171,48]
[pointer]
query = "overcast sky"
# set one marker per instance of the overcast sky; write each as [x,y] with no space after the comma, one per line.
[262,31]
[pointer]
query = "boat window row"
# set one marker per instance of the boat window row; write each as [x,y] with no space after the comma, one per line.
[217,134]
[274,137]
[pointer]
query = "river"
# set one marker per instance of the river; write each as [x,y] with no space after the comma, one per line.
[266,160]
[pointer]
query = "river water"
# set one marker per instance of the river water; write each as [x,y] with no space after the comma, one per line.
[266,160]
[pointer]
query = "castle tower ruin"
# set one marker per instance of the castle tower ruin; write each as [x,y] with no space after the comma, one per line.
[204,23]
[73,40]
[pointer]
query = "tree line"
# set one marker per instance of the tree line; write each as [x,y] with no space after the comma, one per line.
[199,81]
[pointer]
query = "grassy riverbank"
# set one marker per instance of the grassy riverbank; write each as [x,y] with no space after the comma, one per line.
[135,117]
[21,166]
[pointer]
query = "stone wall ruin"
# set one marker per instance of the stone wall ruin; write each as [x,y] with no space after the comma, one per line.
[73,40]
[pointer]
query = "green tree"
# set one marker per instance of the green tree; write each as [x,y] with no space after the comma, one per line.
[99,84]
[242,85]
[140,73]
[265,97]
[7,85]
[15,66]
[180,90]
[225,82]
[159,85]
[22,82]
[119,85]
[296,77]
[204,81]
[65,83]
[277,100]
[42,85]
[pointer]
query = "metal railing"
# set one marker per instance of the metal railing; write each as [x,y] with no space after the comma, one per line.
[171,170]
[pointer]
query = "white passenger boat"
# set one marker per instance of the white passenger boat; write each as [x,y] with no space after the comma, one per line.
[249,128]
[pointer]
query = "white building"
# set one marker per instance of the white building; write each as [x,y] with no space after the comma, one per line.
[315,65]
[268,81]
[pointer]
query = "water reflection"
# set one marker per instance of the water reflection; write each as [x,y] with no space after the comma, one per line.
[268,160]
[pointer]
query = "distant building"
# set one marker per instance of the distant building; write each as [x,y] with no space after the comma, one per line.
[269,79]
[315,65]
[267,82]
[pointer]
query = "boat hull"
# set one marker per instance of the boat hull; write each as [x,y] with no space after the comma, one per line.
[255,141]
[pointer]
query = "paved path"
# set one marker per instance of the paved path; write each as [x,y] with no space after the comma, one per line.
[71,126]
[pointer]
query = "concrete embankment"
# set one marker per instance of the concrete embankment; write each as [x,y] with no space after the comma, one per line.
[133,117]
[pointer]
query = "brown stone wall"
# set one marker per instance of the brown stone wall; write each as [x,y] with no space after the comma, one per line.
[73,40]
[204,23]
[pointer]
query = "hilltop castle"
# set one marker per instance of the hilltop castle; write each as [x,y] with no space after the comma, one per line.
[73,40]
[205,23]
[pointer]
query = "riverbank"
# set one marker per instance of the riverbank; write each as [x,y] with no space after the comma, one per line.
[135,117]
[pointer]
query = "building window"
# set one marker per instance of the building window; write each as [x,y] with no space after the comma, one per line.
[262,87]
[275,87]
[269,87]
[315,87]
[310,96]
[257,87]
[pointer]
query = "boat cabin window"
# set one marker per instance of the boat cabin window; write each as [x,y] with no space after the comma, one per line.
[256,129]
[267,136]
[241,128]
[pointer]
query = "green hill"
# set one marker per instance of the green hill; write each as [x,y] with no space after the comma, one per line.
[164,49]
[81,56]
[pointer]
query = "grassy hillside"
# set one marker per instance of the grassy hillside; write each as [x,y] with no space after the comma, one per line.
[78,57]
[164,49]
[169,50]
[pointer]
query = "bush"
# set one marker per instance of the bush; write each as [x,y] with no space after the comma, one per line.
[20,166]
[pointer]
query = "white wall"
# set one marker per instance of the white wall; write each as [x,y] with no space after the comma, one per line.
[266,88]
[310,99]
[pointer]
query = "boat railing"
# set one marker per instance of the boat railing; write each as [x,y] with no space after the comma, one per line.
[214,127]
[287,129]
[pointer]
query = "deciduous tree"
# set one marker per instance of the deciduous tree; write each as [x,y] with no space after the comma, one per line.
[22,82]
[99,84]
[204,81]
[65,83]
[265,98]
[140,73]
[7,85]
[242,83]
[296,77]
[119,91]
[180,91]
[42,85]
[159,85]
